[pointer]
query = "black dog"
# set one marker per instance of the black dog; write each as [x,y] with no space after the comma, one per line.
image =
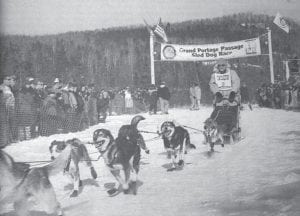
[122,154]
[176,140]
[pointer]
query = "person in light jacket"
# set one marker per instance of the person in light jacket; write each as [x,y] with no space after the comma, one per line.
[152,91]
[7,111]
[193,97]
[128,101]
[224,82]
[197,96]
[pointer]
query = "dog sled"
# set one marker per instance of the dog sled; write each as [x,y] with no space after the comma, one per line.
[223,126]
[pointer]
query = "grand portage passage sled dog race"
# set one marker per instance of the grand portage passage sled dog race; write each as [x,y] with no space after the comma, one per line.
[85,85]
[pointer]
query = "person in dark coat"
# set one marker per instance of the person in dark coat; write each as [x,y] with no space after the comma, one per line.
[111,94]
[153,98]
[81,120]
[26,110]
[118,104]
[40,95]
[244,93]
[164,96]
[102,105]
[72,120]
[50,115]
[92,105]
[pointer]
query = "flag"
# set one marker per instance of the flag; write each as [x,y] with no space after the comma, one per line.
[149,28]
[281,23]
[158,30]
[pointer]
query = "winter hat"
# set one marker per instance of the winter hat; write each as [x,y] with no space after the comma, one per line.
[29,80]
[222,62]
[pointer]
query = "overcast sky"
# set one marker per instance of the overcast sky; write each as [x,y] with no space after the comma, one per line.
[37,17]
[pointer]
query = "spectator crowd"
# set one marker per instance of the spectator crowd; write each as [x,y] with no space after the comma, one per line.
[40,110]
[280,95]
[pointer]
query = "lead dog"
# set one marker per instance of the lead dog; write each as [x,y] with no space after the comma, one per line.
[214,133]
[176,141]
[122,154]
[78,153]
[25,187]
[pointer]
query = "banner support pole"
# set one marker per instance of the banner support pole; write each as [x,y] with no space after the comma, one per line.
[287,70]
[152,58]
[270,55]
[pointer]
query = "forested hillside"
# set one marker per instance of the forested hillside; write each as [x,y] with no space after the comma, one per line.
[118,57]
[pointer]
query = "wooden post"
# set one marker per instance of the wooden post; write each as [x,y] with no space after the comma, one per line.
[287,70]
[152,57]
[270,55]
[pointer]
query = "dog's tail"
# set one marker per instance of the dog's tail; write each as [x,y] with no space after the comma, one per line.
[192,146]
[60,162]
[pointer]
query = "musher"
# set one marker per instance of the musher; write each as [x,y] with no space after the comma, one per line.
[224,84]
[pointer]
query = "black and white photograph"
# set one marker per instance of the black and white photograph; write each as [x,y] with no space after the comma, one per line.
[149,107]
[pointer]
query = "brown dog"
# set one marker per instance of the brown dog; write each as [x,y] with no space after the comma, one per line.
[25,187]
[214,133]
[78,153]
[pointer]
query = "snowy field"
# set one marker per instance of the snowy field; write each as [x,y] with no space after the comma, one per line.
[258,176]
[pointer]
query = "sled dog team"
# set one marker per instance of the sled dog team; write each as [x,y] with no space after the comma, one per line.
[25,186]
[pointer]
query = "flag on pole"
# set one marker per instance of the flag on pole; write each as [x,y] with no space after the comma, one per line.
[281,23]
[158,30]
[149,28]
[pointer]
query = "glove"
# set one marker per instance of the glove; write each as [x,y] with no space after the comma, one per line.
[219,97]
[232,96]
[147,151]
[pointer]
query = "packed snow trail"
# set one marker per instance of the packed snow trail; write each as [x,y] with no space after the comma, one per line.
[260,175]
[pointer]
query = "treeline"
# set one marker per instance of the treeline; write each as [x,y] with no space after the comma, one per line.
[119,57]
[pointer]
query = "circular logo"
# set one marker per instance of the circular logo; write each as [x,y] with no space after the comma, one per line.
[283,22]
[169,52]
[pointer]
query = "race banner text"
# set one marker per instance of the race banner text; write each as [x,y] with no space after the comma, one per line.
[207,52]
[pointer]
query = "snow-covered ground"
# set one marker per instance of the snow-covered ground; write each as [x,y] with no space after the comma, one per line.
[258,176]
